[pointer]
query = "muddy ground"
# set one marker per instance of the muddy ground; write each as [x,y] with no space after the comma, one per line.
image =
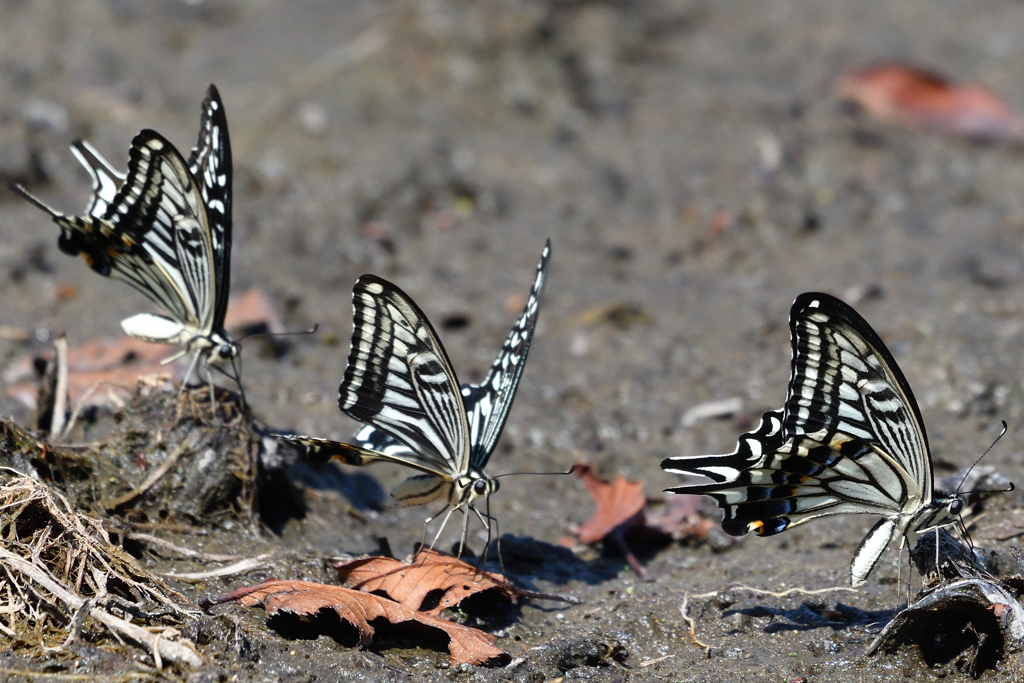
[694,171]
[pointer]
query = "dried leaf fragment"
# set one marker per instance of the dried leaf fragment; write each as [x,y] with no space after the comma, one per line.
[301,598]
[681,519]
[916,98]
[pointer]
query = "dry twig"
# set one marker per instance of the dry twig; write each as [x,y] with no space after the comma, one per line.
[153,477]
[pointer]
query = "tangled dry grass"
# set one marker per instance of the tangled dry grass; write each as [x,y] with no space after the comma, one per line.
[62,579]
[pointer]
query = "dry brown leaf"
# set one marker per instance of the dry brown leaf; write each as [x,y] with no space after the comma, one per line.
[918,99]
[410,583]
[466,645]
[618,504]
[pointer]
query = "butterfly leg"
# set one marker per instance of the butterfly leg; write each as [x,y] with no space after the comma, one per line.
[191,369]
[497,530]
[443,523]
[484,520]
[237,369]
[428,520]
[899,574]
[465,528]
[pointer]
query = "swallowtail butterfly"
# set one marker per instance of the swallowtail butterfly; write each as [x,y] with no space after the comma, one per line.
[164,227]
[850,440]
[400,382]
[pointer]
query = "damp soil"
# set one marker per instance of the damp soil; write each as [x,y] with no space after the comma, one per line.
[694,171]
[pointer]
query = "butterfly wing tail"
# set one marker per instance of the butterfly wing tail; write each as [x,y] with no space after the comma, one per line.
[19,189]
[106,180]
[751,451]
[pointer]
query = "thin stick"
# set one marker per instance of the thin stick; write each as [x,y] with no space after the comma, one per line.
[618,536]
[106,678]
[187,552]
[801,591]
[153,478]
[60,398]
[693,625]
[80,404]
[649,662]
[231,569]
[159,648]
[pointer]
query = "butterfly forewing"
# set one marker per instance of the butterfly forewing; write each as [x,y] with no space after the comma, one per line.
[845,380]
[210,165]
[160,202]
[488,403]
[399,379]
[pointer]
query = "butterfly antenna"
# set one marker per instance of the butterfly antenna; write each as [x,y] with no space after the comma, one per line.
[292,333]
[539,474]
[968,472]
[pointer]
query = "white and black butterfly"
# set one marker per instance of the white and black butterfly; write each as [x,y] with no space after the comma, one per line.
[164,227]
[400,382]
[850,440]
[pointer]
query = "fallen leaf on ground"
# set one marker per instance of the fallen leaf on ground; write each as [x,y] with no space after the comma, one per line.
[108,368]
[619,507]
[104,371]
[410,583]
[915,98]
[252,309]
[618,504]
[466,645]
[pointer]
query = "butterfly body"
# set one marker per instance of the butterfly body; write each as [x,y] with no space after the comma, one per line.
[164,228]
[850,440]
[401,384]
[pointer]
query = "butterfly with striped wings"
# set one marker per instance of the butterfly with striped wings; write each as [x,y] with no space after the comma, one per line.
[850,440]
[401,384]
[164,228]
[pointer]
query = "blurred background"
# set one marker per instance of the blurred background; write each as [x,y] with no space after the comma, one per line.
[691,160]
